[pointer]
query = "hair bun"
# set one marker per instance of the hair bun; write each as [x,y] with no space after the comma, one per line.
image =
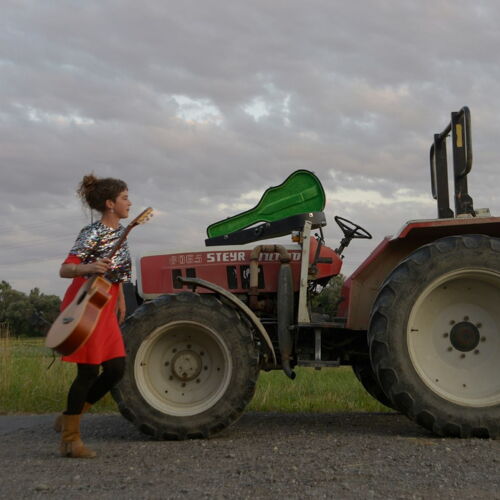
[87,185]
[89,181]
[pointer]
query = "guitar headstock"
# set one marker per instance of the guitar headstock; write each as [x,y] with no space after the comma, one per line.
[143,217]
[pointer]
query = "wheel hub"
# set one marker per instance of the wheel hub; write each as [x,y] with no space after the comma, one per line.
[186,365]
[183,368]
[464,336]
[454,337]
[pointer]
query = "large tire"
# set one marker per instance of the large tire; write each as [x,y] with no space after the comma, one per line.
[434,336]
[191,369]
[363,371]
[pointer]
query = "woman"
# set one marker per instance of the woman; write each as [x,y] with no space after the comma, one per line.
[104,348]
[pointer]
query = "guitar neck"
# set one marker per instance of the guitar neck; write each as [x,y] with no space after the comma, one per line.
[119,243]
[143,217]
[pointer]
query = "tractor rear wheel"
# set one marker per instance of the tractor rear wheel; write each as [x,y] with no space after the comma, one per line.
[363,371]
[191,369]
[434,336]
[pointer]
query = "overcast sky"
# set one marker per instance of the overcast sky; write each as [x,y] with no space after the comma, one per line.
[201,105]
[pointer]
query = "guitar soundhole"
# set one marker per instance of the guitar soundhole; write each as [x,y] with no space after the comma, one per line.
[82,296]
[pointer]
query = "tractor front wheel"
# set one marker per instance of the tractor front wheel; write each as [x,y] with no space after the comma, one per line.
[192,367]
[434,336]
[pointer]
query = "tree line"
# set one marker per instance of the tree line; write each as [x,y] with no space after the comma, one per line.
[30,315]
[26,315]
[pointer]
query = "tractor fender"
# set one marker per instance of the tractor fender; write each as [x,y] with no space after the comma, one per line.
[361,288]
[241,306]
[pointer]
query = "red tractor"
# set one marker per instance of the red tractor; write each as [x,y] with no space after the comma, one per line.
[419,320]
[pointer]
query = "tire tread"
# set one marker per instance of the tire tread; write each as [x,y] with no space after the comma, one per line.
[220,422]
[403,280]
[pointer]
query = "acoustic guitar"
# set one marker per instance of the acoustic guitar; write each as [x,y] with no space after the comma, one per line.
[75,324]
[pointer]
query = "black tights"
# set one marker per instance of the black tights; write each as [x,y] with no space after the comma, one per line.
[90,387]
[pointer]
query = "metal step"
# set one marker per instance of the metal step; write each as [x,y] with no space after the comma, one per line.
[318,364]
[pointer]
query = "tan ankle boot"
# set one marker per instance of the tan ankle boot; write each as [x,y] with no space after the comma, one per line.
[71,443]
[58,420]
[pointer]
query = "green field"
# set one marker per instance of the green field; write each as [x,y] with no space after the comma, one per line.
[28,386]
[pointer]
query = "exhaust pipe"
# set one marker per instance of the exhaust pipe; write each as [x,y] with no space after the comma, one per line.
[285,299]
[285,317]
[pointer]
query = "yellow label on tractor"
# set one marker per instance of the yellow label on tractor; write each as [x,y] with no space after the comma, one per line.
[458,131]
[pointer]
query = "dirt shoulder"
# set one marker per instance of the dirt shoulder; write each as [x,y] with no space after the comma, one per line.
[349,455]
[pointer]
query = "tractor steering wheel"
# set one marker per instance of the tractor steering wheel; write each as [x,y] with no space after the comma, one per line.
[352,230]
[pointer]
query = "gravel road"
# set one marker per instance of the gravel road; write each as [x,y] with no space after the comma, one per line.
[264,455]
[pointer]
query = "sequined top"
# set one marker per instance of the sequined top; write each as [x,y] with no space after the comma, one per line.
[95,241]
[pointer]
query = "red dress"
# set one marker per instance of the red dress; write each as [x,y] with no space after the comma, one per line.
[106,340]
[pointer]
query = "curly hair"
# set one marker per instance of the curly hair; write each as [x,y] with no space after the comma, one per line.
[94,191]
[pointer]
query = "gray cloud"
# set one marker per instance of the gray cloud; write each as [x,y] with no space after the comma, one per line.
[159,94]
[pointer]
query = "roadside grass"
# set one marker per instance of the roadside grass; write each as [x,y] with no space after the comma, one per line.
[326,390]
[28,386]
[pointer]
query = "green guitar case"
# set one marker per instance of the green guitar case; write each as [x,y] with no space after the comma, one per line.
[301,192]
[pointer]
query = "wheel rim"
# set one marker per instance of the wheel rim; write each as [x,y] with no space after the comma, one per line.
[454,338]
[183,368]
